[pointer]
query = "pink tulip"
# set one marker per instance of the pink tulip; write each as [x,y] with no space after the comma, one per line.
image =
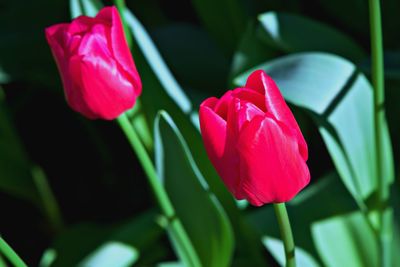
[255,143]
[97,70]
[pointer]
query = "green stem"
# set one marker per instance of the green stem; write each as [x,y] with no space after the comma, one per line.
[377,73]
[176,229]
[286,233]
[10,254]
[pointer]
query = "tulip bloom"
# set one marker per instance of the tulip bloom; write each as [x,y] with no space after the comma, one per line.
[98,73]
[255,143]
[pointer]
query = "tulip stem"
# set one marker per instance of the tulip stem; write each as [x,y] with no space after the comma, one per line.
[174,225]
[10,254]
[377,73]
[286,233]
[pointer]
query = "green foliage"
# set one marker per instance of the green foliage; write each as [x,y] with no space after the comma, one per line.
[88,242]
[317,53]
[213,237]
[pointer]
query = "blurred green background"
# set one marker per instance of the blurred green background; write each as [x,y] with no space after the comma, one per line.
[53,161]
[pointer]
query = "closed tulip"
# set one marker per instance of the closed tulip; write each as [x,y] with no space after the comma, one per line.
[255,143]
[98,73]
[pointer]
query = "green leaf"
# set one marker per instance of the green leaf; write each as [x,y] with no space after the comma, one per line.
[87,241]
[171,264]
[252,50]
[294,33]
[339,99]
[346,241]
[111,254]
[201,214]
[15,169]
[275,246]
[159,81]
[225,20]
[326,198]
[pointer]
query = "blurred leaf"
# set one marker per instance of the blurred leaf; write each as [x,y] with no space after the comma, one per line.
[225,20]
[156,63]
[352,14]
[340,101]
[324,199]
[24,54]
[192,56]
[392,65]
[84,7]
[201,214]
[170,264]
[294,33]
[346,241]
[275,246]
[15,172]
[252,50]
[48,258]
[81,241]
[111,254]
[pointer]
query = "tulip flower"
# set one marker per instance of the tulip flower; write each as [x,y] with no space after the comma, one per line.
[255,143]
[98,73]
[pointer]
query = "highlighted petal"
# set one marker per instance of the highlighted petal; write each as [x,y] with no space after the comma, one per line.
[272,169]
[276,105]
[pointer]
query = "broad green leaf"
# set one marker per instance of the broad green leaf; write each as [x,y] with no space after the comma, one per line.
[346,240]
[158,81]
[89,240]
[225,20]
[112,253]
[339,99]
[275,246]
[294,33]
[170,264]
[326,198]
[201,214]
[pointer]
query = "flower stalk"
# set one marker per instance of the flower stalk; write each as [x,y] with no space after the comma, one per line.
[286,233]
[175,227]
[377,73]
[10,254]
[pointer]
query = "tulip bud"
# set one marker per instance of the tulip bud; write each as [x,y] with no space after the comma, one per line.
[255,143]
[98,73]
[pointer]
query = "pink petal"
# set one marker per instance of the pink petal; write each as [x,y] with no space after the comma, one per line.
[221,152]
[252,96]
[119,46]
[104,92]
[221,107]
[276,105]
[272,170]
[239,113]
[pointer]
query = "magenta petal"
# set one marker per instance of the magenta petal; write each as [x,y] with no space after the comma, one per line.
[119,45]
[221,153]
[104,92]
[276,105]
[221,107]
[272,169]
